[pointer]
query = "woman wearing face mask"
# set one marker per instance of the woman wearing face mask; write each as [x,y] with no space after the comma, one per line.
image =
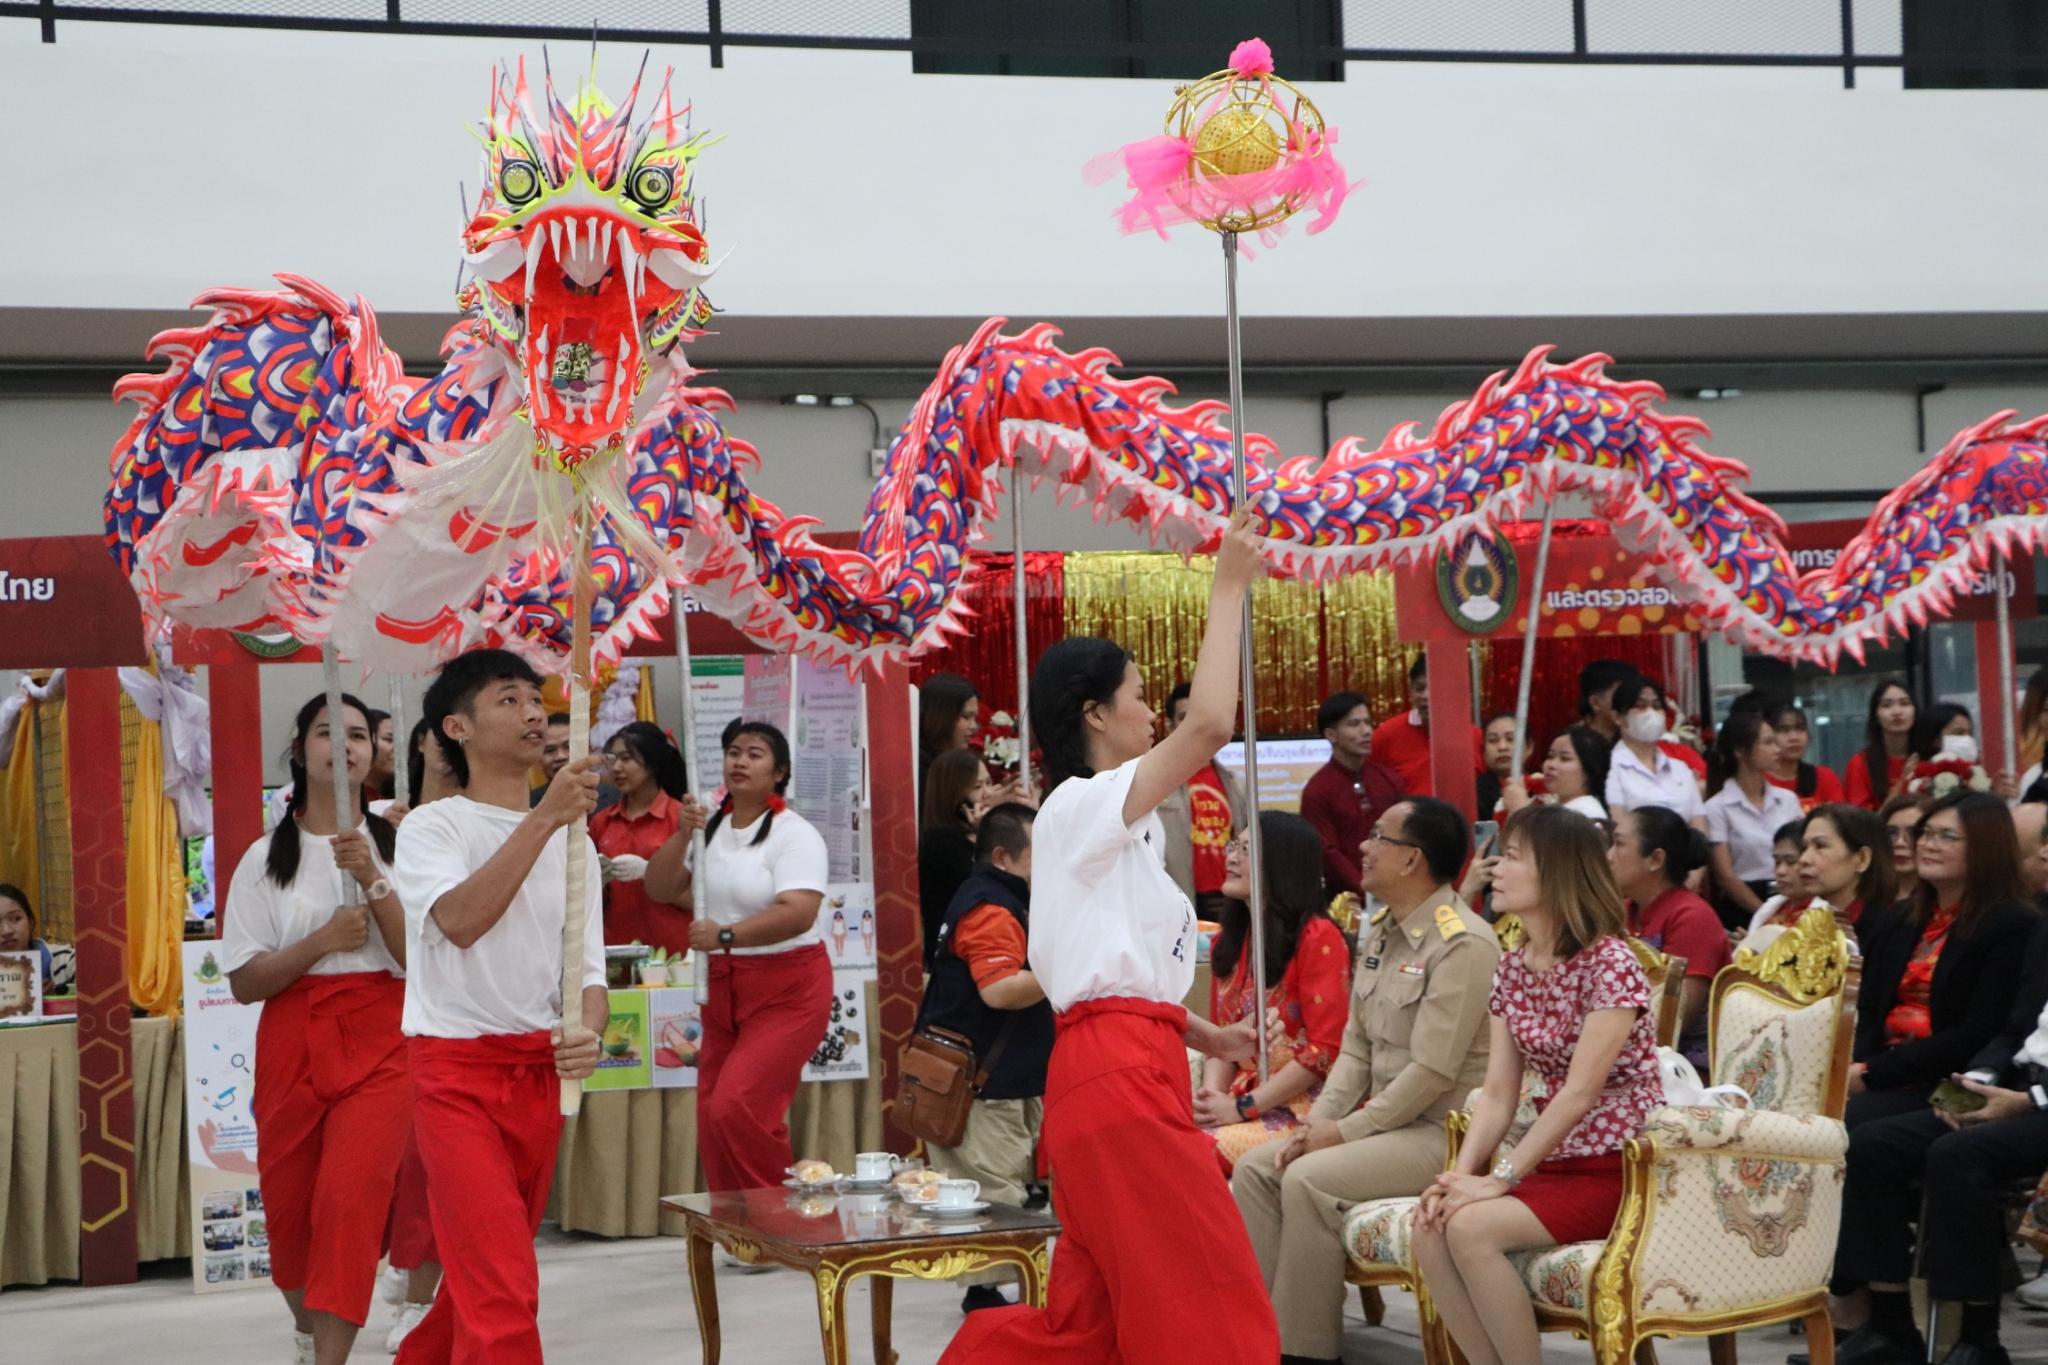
[1941,969]
[756,900]
[1892,737]
[1815,784]
[333,1097]
[1744,812]
[1572,1002]
[1113,945]
[1641,773]
[1574,775]
[1845,861]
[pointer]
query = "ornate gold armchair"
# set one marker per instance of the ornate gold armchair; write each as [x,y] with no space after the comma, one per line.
[1376,1233]
[1728,1217]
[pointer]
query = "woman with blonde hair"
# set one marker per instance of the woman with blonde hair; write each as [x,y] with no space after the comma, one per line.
[1573,1002]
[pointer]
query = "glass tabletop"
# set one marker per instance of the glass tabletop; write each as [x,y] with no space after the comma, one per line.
[828,1218]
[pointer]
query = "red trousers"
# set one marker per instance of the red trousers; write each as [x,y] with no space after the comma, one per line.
[409,1233]
[488,1114]
[766,1016]
[1153,1263]
[332,1102]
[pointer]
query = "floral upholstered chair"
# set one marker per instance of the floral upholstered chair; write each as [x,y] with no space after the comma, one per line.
[1728,1216]
[1376,1233]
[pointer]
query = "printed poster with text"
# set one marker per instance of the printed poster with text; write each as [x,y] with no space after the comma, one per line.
[828,786]
[718,686]
[626,1058]
[674,1024]
[230,1236]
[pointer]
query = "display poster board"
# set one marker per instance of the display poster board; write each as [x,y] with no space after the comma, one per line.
[230,1236]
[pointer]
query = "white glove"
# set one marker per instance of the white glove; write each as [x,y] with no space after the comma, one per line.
[624,868]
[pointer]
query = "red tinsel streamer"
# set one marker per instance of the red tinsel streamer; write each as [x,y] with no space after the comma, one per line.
[986,652]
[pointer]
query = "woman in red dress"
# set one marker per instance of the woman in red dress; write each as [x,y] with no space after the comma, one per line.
[1892,737]
[1308,982]
[1572,1002]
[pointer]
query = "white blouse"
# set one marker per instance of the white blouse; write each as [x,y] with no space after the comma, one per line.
[263,917]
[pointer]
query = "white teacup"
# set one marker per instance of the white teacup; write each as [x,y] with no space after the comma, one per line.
[874,1167]
[955,1194]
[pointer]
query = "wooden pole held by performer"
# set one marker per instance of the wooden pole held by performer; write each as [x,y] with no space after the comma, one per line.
[573,890]
[2009,740]
[1023,631]
[1529,641]
[337,752]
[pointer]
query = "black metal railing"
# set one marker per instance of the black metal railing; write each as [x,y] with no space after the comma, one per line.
[1741,33]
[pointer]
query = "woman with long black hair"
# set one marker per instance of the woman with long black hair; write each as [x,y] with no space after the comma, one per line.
[648,772]
[1308,981]
[757,899]
[1893,736]
[1113,946]
[333,1093]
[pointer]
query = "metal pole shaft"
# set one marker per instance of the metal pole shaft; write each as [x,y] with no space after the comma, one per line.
[1255,860]
[401,775]
[1529,642]
[337,749]
[1022,631]
[2010,741]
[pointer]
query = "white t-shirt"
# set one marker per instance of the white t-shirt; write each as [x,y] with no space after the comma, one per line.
[743,878]
[1670,784]
[263,917]
[1106,919]
[1587,806]
[510,980]
[1747,830]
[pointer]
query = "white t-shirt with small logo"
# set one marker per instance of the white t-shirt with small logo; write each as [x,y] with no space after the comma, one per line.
[263,916]
[1106,919]
[744,878]
[510,980]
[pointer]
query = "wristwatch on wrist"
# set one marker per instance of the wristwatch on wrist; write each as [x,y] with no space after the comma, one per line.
[725,938]
[1504,1172]
[379,889]
[1246,1108]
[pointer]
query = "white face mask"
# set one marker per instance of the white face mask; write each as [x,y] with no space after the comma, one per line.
[1644,727]
[1960,747]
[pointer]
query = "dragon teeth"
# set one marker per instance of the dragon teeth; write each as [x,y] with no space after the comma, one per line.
[604,250]
[555,237]
[572,236]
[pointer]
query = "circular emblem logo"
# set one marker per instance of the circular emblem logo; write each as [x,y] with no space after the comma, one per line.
[268,646]
[1476,578]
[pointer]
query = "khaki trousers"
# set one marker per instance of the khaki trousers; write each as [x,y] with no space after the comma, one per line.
[1296,1218]
[999,1149]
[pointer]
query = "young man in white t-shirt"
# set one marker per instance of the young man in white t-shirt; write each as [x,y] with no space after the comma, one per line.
[482,879]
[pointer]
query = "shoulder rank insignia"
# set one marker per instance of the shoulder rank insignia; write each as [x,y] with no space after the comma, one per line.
[1378,915]
[1447,922]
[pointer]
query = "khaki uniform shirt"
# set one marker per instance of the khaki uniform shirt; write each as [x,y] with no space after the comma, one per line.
[1415,1044]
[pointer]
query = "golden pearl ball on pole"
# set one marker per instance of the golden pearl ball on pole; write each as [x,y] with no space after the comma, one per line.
[1242,125]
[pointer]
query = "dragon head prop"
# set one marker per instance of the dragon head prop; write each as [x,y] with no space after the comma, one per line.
[587,254]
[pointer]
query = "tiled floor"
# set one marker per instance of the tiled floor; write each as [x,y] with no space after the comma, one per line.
[609,1302]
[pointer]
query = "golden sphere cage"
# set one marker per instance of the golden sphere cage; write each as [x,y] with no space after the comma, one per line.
[1242,125]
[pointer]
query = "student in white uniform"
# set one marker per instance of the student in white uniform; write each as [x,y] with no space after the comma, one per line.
[1153,1248]
[482,878]
[332,1098]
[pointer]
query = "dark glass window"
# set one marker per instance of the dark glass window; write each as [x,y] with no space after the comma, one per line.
[1141,39]
[1975,44]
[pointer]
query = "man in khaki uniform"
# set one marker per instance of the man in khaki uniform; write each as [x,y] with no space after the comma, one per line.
[1414,1048]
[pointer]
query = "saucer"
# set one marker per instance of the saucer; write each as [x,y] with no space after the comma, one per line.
[953,1210]
[794,1184]
[855,1183]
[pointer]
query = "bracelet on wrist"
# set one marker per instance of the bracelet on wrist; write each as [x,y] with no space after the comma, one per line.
[1247,1107]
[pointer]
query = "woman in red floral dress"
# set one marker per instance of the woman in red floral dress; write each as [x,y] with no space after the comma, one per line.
[1573,1003]
[1308,983]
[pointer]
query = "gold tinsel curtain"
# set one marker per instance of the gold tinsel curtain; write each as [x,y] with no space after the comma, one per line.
[1308,641]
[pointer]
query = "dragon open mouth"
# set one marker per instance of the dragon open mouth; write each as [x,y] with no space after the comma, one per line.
[583,340]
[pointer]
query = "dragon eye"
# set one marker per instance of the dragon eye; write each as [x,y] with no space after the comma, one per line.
[651,187]
[519,182]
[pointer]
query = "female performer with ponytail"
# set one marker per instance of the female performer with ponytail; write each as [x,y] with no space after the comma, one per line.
[764,877]
[1153,1248]
[333,1095]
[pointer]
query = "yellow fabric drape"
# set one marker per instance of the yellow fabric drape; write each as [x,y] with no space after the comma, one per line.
[1307,640]
[643,697]
[25,783]
[18,809]
[156,868]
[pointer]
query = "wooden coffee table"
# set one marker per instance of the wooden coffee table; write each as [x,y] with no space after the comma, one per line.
[838,1237]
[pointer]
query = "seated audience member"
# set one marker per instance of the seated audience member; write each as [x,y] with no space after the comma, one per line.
[1940,970]
[1894,735]
[1943,1171]
[1597,681]
[1744,813]
[18,928]
[1902,813]
[1575,772]
[2030,824]
[1497,758]
[1348,794]
[1652,854]
[955,788]
[1843,860]
[554,756]
[1574,1003]
[1308,981]
[982,987]
[1642,772]
[1199,822]
[1414,1047]
[1815,784]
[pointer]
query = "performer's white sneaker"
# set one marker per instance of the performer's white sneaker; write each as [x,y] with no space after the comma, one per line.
[391,1286]
[302,1346]
[409,1315]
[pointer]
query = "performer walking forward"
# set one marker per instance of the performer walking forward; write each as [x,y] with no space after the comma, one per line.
[1572,1002]
[481,876]
[771,981]
[1152,1245]
[332,1094]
